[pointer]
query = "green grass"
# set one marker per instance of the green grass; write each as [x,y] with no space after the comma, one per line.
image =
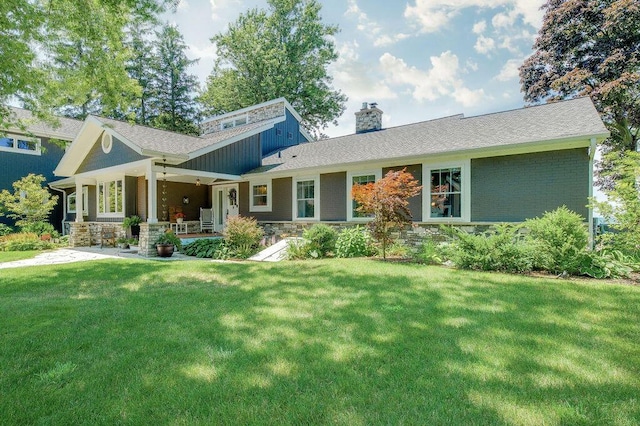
[10,256]
[321,342]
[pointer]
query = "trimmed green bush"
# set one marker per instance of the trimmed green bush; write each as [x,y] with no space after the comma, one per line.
[428,253]
[562,238]
[503,249]
[214,248]
[5,229]
[354,242]
[321,239]
[40,228]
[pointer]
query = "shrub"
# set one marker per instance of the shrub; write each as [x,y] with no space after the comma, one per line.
[24,241]
[429,253]
[396,249]
[242,236]
[214,248]
[40,228]
[354,242]
[299,249]
[562,237]
[501,250]
[5,229]
[321,239]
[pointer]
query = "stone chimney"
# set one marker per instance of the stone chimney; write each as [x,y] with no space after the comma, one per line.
[369,118]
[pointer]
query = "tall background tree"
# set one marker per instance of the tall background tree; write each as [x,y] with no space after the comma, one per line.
[282,52]
[592,48]
[41,39]
[175,88]
[141,66]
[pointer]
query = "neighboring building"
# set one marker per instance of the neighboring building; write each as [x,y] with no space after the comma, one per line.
[502,167]
[37,150]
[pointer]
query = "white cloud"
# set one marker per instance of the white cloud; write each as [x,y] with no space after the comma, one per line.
[471,66]
[218,7]
[510,70]
[484,45]
[479,27]
[206,52]
[357,79]
[182,5]
[371,28]
[439,81]
[432,15]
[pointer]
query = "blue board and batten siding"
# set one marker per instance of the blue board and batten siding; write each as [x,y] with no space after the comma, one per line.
[120,154]
[16,165]
[235,159]
[282,135]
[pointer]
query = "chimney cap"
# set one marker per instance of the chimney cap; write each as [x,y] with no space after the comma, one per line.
[373,105]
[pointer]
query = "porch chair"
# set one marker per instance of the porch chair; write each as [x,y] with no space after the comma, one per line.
[107,236]
[206,220]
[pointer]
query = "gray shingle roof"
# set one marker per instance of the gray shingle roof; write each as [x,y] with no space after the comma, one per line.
[550,122]
[67,130]
[172,143]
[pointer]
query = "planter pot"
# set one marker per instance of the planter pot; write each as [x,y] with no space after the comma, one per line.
[179,220]
[165,250]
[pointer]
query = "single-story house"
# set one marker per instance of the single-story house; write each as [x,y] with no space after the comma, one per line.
[37,148]
[258,161]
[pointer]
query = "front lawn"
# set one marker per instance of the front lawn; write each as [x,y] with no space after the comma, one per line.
[11,256]
[333,341]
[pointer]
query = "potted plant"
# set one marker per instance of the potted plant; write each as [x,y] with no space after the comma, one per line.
[133,223]
[167,243]
[122,243]
[180,217]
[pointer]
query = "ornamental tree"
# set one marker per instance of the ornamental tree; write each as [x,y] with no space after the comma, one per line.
[387,200]
[29,203]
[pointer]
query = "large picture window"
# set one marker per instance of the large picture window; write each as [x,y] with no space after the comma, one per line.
[306,193]
[111,198]
[20,144]
[447,193]
[360,178]
[260,196]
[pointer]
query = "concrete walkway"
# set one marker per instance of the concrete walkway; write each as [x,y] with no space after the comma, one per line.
[82,254]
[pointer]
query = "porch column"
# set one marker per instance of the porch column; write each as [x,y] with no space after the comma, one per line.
[79,202]
[152,195]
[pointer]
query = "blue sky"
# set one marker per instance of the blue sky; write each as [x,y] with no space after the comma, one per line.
[418,59]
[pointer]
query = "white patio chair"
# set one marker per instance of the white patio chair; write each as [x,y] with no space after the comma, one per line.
[206,220]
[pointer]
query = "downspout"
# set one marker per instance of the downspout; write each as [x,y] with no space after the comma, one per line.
[592,153]
[64,207]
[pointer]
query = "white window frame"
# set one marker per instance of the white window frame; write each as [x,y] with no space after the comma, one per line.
[316,198]
[465,191]
[85,201]
[15,149]
[124,198]
[234,122]
[259,208]
[350,175]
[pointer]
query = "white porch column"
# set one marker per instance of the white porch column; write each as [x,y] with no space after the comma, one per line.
[152,195]
[79,202]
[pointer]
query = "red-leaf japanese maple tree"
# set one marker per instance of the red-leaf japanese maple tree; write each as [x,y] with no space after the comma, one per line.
[388,201]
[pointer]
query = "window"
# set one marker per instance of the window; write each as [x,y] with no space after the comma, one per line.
[71,202]
[361,178]
[446,190]
[306,192]
[234,122]
[260,196]
[107,143]
[20,144]
[111,198]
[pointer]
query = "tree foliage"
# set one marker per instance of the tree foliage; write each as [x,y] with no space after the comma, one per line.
[175,88]
[591,48]
[282,52]
[388,201]
[68,53]
[29,202]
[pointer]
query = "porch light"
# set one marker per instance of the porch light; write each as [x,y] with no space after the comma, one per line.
[197,181]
